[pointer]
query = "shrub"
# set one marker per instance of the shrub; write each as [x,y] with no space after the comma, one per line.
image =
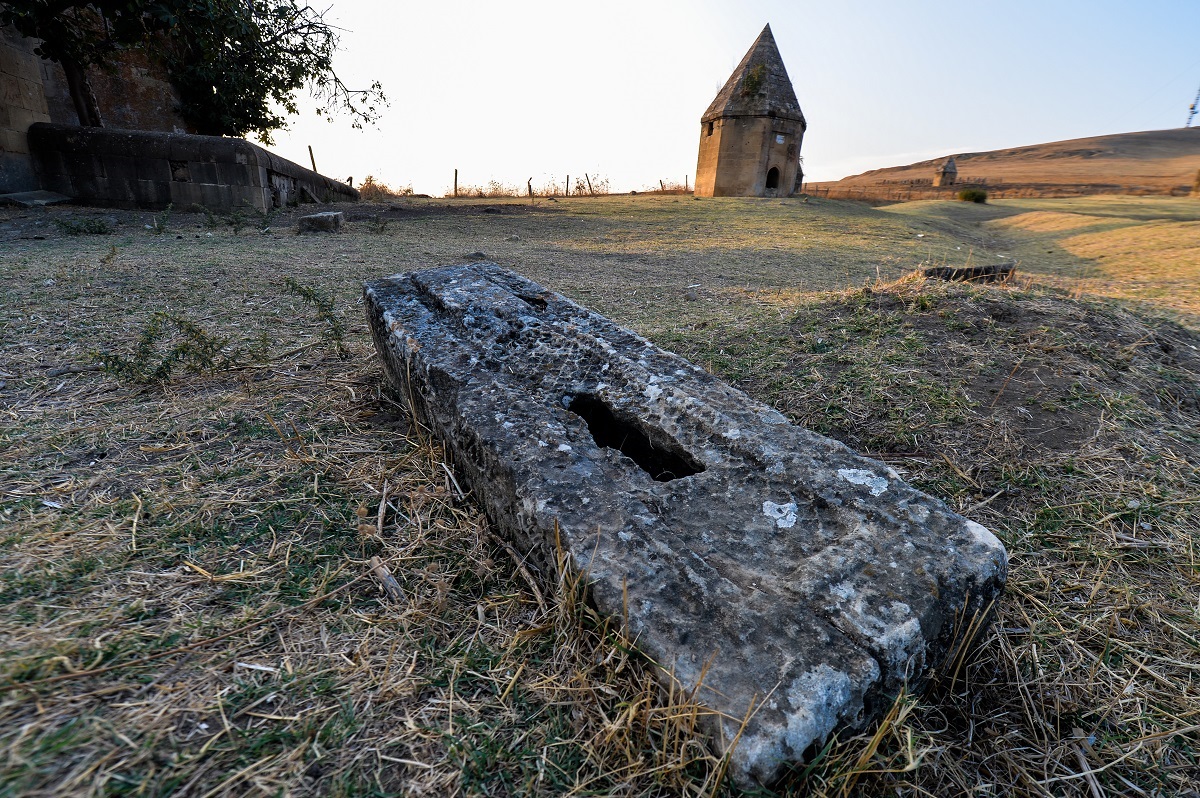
[167,341]
[335,330]
[73,227]
[972,195]
[754,80]
[158,225]
[372,190]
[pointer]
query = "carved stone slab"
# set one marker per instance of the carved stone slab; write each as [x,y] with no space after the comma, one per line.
[812,583]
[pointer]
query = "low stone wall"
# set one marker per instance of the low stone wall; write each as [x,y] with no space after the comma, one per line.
[146,169]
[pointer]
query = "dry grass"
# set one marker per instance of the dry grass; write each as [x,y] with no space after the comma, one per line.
[1151,161]
[191,561]
[1133,249]
[589,185]
[373,190]
[1071,429]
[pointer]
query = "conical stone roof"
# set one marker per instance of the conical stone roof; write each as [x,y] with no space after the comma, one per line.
[758,87]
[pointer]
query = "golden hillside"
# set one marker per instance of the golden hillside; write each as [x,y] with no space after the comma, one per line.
[1155,160]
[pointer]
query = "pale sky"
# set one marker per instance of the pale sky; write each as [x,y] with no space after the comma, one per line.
[510,90]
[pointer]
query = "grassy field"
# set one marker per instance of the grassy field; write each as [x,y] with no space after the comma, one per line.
[188,605]
[1156,160]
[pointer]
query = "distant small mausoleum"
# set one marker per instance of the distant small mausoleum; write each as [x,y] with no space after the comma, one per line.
[750,136]
[947,173]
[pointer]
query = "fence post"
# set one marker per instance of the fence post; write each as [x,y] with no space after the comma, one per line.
[529,187]
[589,179]
[456,182]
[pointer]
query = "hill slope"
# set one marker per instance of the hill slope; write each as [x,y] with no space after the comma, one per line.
[1155,159]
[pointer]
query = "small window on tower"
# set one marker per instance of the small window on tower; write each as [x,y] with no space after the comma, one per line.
[710,128]
[778,138]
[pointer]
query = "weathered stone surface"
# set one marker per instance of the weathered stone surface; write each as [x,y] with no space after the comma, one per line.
[149,169]
[812,582]
[33,199]
[327,222]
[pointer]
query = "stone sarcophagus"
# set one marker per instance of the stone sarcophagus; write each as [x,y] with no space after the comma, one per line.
[798,585]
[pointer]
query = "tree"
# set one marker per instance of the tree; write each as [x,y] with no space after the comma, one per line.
[237,64]
[77,36]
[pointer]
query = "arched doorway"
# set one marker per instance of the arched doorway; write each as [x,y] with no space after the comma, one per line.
[773,178]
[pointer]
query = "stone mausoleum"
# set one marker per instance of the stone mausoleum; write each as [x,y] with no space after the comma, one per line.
[947,173]
[750,136]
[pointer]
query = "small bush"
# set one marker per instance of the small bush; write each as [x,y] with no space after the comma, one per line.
[158,225]
[493,190]
[753,82]
[372,190]
[211,220]
[972,195]
[335,330]
[666,187]
[79,227]
[168,341]
[246,215]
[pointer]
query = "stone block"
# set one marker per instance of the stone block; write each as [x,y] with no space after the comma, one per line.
[16,175]
[327,222]
[33,199]
[183,148]
[155,169]
[793,584]
[83,164]
[21,118]
[215,196]
[58,183]
[185,195]
[120,167]
[85,185]
[14,141]
[233,174]
[120,190]
[201,172]
[154,193]
[252,196]
[51,162]
[9,62]
[10,89]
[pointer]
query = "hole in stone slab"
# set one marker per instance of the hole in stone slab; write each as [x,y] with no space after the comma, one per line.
[533,301]
[653,450]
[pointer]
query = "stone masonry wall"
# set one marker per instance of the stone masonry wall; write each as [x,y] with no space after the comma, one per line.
[735,159]
[22,102]
[146,169]
[133,95]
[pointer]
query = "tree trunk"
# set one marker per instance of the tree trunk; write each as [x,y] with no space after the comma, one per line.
[81,94]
